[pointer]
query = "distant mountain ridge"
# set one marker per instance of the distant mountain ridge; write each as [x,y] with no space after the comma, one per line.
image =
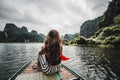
[12,33]
[70,37]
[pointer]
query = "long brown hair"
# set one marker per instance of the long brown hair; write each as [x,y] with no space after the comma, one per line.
[53,47]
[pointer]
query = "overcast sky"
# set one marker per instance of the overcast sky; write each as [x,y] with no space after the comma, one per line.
[43,15]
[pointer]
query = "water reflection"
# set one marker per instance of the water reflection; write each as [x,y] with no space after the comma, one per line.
[92,63]
[102,63]
[111,62]
[14,55]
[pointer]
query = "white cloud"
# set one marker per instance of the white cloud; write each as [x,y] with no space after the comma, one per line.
[42,15]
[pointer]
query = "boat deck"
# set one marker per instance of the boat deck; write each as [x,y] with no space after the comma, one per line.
[36,74]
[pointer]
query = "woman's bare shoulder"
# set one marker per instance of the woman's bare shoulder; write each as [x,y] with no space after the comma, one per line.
[61,45]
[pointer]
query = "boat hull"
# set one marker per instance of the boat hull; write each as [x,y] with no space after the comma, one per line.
[34,73]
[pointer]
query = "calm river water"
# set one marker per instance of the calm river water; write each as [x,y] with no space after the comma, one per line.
[92,63]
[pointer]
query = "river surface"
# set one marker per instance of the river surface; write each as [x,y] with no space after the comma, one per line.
[92,63]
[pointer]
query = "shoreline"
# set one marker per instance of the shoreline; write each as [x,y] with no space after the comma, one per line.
[80,45]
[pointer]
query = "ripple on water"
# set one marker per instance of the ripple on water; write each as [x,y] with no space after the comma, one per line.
[90,62]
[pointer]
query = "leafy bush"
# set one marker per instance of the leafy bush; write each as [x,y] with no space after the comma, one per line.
[117,19]
[113,30]
[90,41]
[72,42]
[109,40]
[98,32]
[116,41]
[107,32]
[66,42]
[113,40]
[81,40]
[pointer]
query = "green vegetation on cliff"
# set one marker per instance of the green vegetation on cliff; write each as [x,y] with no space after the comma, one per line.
[110,35]
[76,41]
[108,28]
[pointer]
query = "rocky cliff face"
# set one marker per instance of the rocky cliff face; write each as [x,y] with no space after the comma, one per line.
[109,15]
[89,27]
[12,31]
[24,29]
[10,28]
[2,36]
[34,32]
[42,36]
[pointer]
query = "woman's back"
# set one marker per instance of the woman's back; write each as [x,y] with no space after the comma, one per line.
[50,54]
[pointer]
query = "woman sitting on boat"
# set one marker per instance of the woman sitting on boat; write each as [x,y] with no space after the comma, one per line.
[49,57]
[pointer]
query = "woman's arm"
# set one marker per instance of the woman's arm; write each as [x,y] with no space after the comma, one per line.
[42,50]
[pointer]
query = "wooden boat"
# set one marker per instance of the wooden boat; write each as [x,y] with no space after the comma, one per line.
[28,73]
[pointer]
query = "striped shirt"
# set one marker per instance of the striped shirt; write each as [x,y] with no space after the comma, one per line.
[47,68]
